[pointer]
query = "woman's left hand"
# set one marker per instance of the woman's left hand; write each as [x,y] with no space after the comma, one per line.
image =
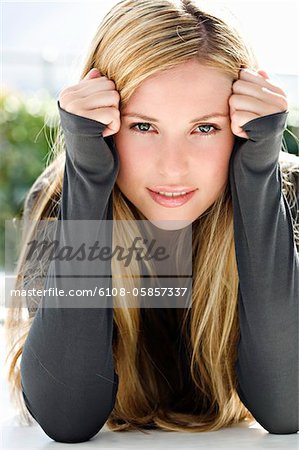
[254,95]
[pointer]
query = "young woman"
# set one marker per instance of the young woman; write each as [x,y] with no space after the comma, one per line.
[163,106]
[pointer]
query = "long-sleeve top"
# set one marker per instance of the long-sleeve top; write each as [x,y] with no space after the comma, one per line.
[69,383]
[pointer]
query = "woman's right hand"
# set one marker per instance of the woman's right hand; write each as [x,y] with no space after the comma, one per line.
[94,97]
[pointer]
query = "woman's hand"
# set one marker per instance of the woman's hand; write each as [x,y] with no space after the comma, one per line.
[94,97]
[254,95]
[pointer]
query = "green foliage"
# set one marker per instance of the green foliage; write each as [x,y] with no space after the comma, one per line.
[291,136]
[24,149]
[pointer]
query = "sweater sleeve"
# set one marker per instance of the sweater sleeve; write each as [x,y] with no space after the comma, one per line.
[69,384]
[268,267]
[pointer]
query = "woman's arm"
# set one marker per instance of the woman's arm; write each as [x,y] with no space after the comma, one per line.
[268,265]
[67,372]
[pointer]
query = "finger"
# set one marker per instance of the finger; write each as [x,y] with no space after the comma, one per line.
[241,134]
[107,116]
[242,117]
[254,105]
[255,77]
[100,115]
[94,72]
[96,100]
[238,119]
[89,86]
[86,89]
[264,74]
[94,75]
[256,90]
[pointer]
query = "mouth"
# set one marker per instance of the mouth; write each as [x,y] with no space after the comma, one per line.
[171,201]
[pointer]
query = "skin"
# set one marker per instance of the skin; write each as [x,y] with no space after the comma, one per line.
[172,151]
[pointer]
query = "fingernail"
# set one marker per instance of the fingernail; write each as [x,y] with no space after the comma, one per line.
[262,72]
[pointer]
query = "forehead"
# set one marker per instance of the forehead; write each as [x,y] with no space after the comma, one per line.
[187,83]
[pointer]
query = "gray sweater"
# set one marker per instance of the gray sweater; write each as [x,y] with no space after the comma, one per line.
[69,383]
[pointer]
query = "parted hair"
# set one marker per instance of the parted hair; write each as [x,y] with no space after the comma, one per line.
[138,38]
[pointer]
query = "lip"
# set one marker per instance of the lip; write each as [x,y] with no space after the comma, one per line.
[171,202]
[172,189]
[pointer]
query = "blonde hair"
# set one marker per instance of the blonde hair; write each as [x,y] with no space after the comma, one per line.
[138,38]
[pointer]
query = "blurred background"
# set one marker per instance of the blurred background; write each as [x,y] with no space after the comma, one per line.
[43,46]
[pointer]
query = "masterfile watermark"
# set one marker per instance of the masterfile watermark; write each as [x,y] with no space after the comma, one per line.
[95,251]
[97,263]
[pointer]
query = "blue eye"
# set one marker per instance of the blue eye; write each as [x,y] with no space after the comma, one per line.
[205,126]
[143,128]
[140,130]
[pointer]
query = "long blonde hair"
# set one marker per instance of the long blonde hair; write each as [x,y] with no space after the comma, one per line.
[136,39]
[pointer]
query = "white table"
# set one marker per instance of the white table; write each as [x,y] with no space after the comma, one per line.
[239,437]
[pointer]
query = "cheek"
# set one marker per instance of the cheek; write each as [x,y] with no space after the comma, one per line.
[217,152]
[223,163]
[221,172]
[132,167]
[213,165]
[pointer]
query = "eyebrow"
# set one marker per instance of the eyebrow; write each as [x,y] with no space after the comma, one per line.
[198,119]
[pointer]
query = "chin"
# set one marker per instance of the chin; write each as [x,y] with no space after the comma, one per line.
[168,224]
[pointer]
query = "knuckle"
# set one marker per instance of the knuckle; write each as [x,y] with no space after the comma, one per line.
[110,84]
[65,94]
[276,88]
[117,126]
[67,90]
[116,114]
[231,100]
[116,95]
[72,106]
[234,128]
[282,102]
[238,84]
[284,99]
[62,94]
[61,99]
[64,90]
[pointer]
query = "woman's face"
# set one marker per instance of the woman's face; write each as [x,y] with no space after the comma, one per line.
[165,143]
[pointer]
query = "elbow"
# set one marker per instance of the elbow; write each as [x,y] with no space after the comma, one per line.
[71,435]
[69,416]
[279,428]
[279,425]
[70,427]
[274,415]
[65,413]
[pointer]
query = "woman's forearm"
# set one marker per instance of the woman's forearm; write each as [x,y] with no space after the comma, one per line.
[68,380]
[268,265]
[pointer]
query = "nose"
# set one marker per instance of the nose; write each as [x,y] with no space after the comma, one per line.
[172,161]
